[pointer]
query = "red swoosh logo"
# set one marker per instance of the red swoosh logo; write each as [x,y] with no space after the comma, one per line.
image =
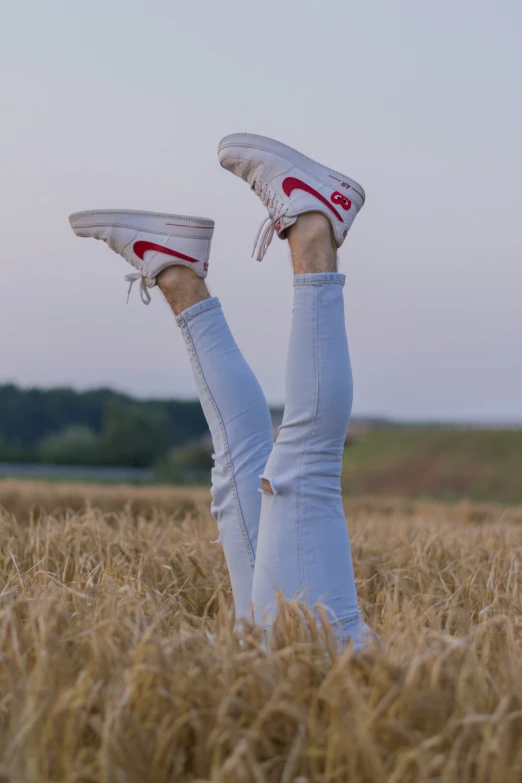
[140,248]
[291,183]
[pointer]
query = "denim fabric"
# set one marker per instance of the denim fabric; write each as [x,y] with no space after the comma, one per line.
[294,538]
[241,427]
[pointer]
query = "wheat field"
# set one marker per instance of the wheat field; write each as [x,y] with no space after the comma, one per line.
[119,660]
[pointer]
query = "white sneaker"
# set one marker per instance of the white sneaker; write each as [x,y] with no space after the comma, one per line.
[149,241]
[290,184]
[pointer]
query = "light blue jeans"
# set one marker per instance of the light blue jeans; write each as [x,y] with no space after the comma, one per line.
[294,541]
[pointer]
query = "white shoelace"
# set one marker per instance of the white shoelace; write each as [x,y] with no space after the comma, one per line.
[268,226]
[144,291]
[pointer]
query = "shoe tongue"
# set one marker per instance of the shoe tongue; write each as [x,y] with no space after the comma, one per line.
[283,223]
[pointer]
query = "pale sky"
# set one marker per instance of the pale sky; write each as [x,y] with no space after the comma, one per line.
[122,103]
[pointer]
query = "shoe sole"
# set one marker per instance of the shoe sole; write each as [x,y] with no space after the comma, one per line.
[291,155]
[117,218]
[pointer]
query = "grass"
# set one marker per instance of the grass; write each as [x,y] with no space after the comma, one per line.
[119,661]
[438,462]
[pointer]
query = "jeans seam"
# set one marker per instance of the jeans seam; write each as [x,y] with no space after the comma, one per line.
[325,278]
[305,455]
[320,283]
[230,466]
[192,312]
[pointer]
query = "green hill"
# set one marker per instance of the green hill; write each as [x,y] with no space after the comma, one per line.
[439,462]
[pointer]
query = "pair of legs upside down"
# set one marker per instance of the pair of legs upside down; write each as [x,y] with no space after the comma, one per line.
[278,506]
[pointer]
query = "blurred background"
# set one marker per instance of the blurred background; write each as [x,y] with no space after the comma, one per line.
[122,104]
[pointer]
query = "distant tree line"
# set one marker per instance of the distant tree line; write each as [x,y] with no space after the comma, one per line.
[100,427]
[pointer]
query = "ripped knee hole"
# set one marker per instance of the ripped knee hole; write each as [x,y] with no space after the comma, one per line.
[266,486]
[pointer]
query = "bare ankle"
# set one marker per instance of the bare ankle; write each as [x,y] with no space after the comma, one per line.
[182,288]
[312,244]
